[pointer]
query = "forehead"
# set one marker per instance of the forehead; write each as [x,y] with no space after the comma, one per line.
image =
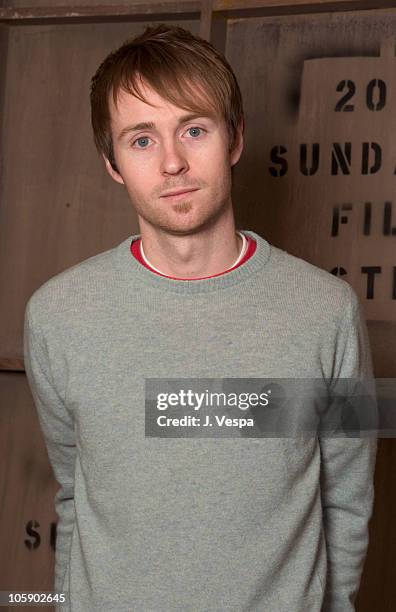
[129,107]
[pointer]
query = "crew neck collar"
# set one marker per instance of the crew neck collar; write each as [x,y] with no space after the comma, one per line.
[130,268]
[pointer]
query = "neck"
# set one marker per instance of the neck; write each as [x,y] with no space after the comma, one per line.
[194,255]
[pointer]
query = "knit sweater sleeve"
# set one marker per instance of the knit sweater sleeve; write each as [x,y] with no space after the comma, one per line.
[58,430]
[347,472]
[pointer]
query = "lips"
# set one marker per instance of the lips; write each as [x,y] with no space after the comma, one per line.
[179,192]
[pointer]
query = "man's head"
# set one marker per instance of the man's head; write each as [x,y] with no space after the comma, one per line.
[161,77]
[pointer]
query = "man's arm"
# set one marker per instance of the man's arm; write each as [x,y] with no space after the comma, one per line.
[58,430]
[347,474]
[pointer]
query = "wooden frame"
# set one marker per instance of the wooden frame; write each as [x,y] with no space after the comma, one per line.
[187,8]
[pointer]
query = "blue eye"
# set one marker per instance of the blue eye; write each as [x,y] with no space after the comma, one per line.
[194,128]
[141,138]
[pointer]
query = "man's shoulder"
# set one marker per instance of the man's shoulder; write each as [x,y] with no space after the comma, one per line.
[75,284]
[304,271]
[310,286]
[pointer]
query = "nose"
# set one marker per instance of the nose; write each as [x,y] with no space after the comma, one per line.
[174,158]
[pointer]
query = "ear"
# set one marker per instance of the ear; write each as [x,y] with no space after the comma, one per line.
[113,173]
[238,145]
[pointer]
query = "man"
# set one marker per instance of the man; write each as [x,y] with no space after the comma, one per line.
[192,523]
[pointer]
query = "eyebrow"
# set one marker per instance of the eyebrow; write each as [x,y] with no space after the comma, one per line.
[149,125]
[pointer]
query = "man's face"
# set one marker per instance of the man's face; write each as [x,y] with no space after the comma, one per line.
[173,155]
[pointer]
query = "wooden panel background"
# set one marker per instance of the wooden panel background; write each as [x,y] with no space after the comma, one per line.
[353,179]
[58,207]
[288,211]
[271,89]
[27,490]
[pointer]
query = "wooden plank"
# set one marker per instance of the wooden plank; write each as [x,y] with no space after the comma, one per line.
[131,9]
[24,11]
[378,583]
[11,365]
[4,40]
[27,489]
[5,364]
[218,32]
[206,19]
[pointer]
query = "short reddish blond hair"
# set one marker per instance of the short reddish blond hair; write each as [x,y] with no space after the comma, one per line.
[176,64]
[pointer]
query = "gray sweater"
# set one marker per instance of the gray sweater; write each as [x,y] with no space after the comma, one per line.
[234,524]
